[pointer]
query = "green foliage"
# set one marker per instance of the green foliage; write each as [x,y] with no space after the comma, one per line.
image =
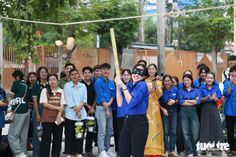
[125,30]
[204,31]
[150,31]
[23,35]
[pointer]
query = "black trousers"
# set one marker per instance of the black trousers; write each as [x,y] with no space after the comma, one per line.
[133,136]
[0,134]
[30,131]
[49,129]
[115,129]
[72,145]
[119,125]
[90,138]
[230,123]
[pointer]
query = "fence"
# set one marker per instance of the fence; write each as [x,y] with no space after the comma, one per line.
[177,62]
[48,57]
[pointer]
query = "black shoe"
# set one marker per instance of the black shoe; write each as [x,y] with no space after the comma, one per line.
[230,153]
[233,152]
[89,154]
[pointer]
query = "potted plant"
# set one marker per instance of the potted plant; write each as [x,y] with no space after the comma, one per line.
[79,129]
[90,125]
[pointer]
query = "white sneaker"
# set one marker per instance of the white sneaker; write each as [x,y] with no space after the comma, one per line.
[111,153]
[103,154]
[209,153]
[224,154]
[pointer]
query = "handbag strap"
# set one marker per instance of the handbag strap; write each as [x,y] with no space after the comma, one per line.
[22,98]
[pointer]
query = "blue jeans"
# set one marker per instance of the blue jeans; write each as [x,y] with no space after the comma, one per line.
[105,128]
[170,129]
[36,142]
[190,128]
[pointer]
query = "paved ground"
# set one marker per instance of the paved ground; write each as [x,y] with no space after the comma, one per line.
[95,149]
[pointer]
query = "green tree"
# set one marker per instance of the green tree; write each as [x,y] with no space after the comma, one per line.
[22,35]
[205,31]
[125,30]
[150,31]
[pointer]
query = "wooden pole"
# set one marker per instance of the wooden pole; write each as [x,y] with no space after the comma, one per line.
[234,27]
[1,50]
[115,55]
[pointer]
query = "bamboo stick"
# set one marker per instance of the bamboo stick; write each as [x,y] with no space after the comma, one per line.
[115,55]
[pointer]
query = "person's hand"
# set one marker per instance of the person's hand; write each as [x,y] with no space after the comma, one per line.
[158,77]
[106,106]
[61,109]
[165,112]
[59,120]
[38,118]
[91,111]
[208,97]
[108,113]
[214,97]
[171,102]
[119,82]
[2,103]
[76,109]
[78,114]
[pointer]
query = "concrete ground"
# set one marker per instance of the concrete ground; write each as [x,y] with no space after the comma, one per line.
[95,149]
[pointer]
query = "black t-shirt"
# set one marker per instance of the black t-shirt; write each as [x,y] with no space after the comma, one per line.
[90,92]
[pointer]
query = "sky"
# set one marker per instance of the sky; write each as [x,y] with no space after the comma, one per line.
[150,5]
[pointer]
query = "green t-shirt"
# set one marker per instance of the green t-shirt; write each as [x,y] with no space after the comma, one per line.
[19,88]
[62,82]
[30,99]
[37,88]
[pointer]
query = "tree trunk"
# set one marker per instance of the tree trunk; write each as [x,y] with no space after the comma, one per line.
[60,58]
[69,54]
[120,54]
[214,61]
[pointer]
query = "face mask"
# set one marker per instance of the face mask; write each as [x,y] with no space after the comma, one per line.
[138,71]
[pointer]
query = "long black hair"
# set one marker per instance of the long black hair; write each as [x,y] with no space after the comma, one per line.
[28,76]
[190,77]
[49,90]
[155,66]
[176,79]
[18,73]
[128,71]
[214,76]
[38,72]
[205,68]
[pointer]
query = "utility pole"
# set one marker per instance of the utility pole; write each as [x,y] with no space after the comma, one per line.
[141,29]
[234,27]
[161,35]
[1,49]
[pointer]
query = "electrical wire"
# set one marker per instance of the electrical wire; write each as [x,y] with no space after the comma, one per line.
[119,18]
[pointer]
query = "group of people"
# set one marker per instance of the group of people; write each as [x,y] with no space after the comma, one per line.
[148,114]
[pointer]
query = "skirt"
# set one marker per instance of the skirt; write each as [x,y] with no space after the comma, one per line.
[210,127]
